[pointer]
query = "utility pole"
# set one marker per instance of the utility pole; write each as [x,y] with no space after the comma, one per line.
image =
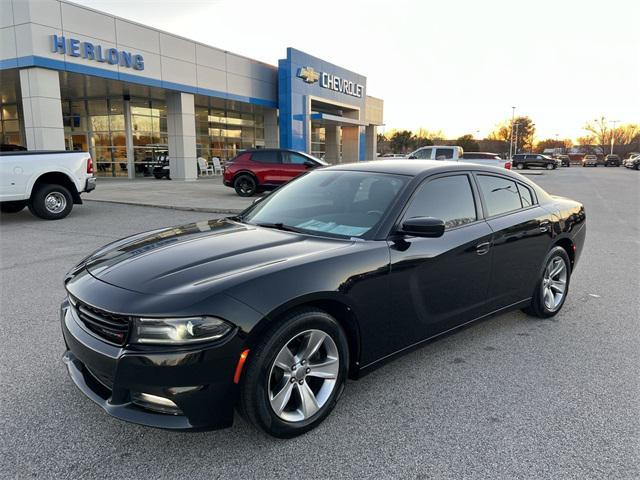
[515,143]
[513,114]
[613,133]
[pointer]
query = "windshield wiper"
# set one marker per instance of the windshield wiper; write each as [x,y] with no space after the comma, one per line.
[278,226]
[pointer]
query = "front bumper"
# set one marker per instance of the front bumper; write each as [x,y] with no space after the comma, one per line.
[198,380]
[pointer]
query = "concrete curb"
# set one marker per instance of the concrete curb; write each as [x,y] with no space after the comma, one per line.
[170,207]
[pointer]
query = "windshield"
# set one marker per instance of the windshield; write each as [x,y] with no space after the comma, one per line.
[335,203]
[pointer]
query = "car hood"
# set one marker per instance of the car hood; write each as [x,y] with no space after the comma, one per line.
[203,256]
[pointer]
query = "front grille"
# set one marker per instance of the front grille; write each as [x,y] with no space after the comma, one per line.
[110,326]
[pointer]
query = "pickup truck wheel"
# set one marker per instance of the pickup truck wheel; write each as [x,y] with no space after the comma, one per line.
[550,166]
[520,166]
[12,207]
[51,202]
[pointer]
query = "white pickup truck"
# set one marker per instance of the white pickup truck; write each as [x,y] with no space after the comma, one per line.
[49,183]
[456,154]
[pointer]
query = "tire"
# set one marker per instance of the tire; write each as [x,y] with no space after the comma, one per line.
[550,167]
[158,176]
[520,166]
[263,379]
[12,207]
[541,306]
[245,185]
[51,202]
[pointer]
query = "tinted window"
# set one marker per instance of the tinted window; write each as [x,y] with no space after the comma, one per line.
[500,195]
[449,198]
[444,153]
[294,158]
[424,153]
[266,156]
[526,197]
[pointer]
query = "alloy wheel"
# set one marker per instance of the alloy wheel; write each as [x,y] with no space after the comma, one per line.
[303,375]
[554,283]
[55,202]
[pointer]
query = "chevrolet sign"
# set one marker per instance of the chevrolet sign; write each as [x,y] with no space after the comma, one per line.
[308,74]
[331,82]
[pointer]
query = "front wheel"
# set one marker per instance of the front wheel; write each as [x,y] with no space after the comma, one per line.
[552,286]
[12,207]
[520,166]
[550,166]
[295,375]
[51,202]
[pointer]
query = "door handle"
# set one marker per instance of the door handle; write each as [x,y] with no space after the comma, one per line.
[544,226]
[483,248]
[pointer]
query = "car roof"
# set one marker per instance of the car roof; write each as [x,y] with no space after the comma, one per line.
[414,168]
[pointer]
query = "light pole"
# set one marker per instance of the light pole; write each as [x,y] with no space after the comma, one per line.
[513,114]
[515,143]
[613,133]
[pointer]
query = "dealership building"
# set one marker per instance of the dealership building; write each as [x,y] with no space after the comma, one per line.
[78,79]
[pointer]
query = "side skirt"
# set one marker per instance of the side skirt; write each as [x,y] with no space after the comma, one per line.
[366,369]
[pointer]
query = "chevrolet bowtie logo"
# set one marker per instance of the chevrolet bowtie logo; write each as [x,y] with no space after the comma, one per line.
[308,74]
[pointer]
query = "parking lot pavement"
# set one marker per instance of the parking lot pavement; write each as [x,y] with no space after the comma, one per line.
[207,194]
[510,397]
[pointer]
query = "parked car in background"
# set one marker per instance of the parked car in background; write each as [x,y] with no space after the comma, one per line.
[590,161]
[612,160]
[392,155]
[527,160]
[633,162]
[263,169]
[565,161]
[457,154]
[486,158]
[49,183]
[326,279]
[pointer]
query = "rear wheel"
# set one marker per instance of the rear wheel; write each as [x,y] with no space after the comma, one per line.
[553,285]
[550,166]
[245,185]
[51,202]
[295,376]
[520,166]
[12,207]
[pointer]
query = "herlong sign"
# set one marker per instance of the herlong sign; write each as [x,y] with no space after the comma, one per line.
[75,48]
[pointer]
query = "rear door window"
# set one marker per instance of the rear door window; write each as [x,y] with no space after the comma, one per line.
[444,153]
[266,156]
[500,194]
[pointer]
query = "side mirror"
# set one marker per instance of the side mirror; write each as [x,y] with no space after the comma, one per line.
[310,164]
[423,227]
[412,157]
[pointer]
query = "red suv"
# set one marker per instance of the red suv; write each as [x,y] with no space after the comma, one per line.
[265,169]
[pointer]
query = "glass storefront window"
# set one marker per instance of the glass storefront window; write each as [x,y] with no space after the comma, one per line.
[224,128]
[10,110]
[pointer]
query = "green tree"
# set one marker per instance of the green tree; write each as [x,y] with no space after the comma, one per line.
[468,143]
[402,141]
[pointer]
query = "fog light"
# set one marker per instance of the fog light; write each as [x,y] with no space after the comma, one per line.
[155,403]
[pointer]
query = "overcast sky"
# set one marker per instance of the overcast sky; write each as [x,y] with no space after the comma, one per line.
[451,65]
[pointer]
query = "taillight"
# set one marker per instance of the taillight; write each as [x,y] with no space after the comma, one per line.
[89,165]
[507,165]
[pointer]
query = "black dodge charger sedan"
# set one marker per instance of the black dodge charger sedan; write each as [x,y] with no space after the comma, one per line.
[328,277]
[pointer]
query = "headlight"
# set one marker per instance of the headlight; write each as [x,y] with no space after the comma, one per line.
[178,331]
